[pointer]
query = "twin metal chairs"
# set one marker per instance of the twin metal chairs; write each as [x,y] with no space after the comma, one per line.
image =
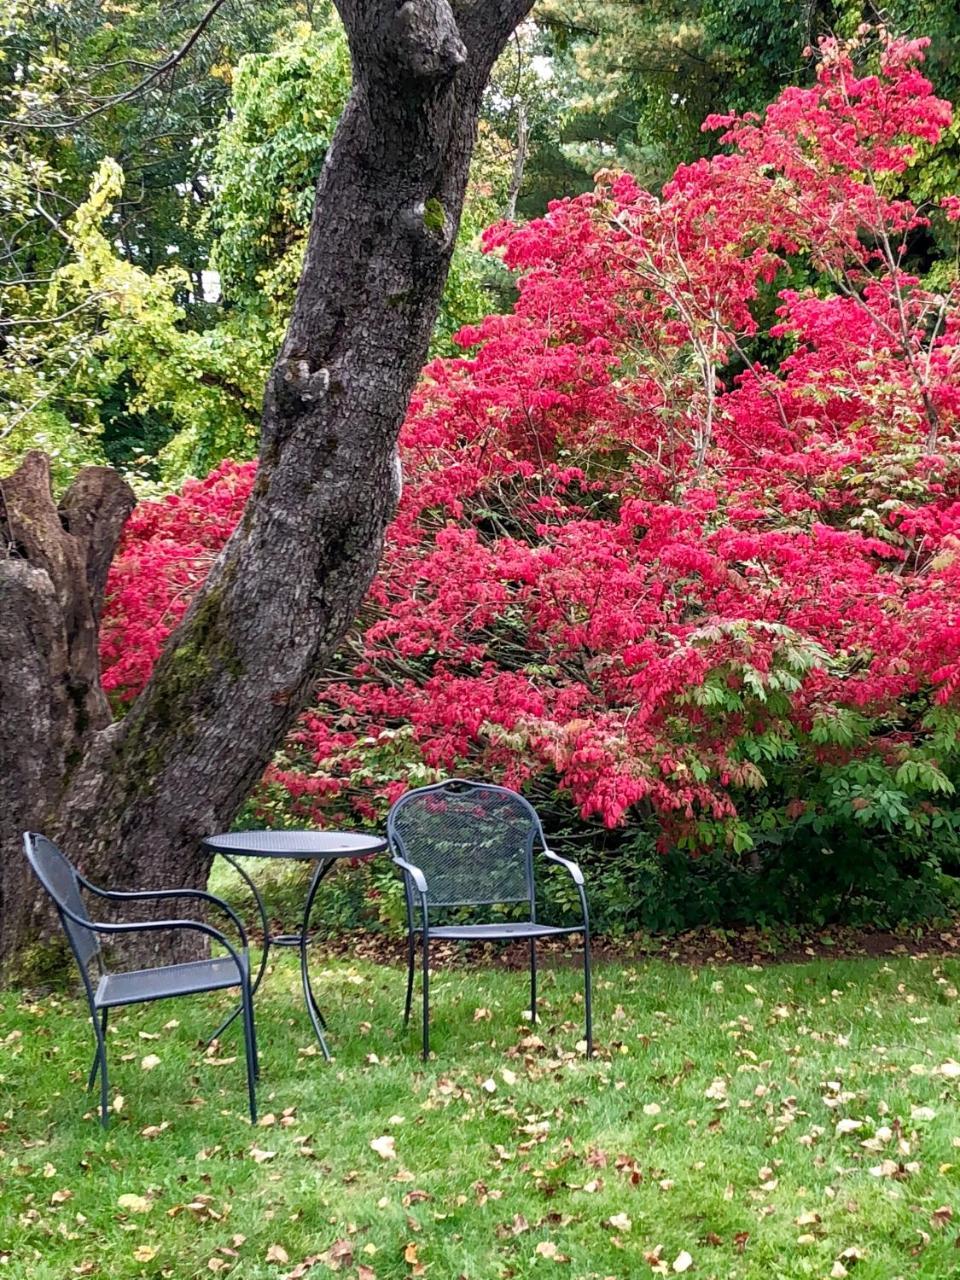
[106,990]
[469,844]
[458,844]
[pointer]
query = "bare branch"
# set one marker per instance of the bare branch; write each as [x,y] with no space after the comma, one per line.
[158,71]
[30,408]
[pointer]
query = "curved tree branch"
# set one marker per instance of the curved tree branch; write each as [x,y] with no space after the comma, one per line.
[156,73]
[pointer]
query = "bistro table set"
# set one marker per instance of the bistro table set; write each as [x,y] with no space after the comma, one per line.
[458,845]
[322,847]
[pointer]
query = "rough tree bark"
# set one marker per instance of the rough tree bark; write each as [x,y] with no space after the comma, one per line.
[53,570]
[131,799]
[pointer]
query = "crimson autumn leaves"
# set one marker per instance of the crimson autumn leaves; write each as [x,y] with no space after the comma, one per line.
[679,534]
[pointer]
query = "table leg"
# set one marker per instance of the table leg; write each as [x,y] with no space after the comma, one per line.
[316,1017]
[265,924]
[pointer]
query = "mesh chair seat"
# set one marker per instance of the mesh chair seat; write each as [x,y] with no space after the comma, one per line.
[139,985]
[515,929]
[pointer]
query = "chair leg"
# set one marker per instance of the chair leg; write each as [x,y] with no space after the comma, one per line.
[533,979]
[426,996]
[101,1029]
[253,1040]
[411,961]
[92,1078]
[587,991]
[250,1047]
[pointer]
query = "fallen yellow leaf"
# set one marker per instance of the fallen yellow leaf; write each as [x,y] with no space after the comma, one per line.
[134,1204]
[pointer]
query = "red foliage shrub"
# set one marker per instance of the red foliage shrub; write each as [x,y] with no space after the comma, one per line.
[667,540]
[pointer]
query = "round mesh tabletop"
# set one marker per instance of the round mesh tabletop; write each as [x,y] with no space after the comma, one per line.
[323,845]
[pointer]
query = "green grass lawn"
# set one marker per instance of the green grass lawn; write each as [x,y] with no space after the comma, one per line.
[792,1121]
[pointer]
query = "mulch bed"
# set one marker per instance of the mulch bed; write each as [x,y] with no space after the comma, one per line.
[697,947]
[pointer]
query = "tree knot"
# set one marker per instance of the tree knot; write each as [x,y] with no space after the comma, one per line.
[425,40]
[302,382]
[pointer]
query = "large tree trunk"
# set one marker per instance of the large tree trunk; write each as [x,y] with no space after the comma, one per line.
[52,577]
[132,800]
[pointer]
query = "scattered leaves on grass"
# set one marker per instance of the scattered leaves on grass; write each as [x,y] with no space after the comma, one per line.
[410,1257]
[339,1254]
[155,1130]
[515,1228]
[277,1253]
[134,1203]
[895,1169]
[654,1260]
[940,1217]
[415,1197]
[547,1249]
[385,1147]
[301,1269]
[847,1126]
[201,1207]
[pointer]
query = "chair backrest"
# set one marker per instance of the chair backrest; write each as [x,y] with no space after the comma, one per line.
[473,842]
[59,877]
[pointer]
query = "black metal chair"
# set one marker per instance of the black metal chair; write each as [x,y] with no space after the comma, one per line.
[63,882]
[469,844]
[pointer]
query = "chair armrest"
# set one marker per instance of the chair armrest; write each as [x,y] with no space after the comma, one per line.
[114,895]
[575,873]
[154,926]
[415,874]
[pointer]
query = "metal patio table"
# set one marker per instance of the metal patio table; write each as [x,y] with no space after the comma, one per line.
[322,847]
